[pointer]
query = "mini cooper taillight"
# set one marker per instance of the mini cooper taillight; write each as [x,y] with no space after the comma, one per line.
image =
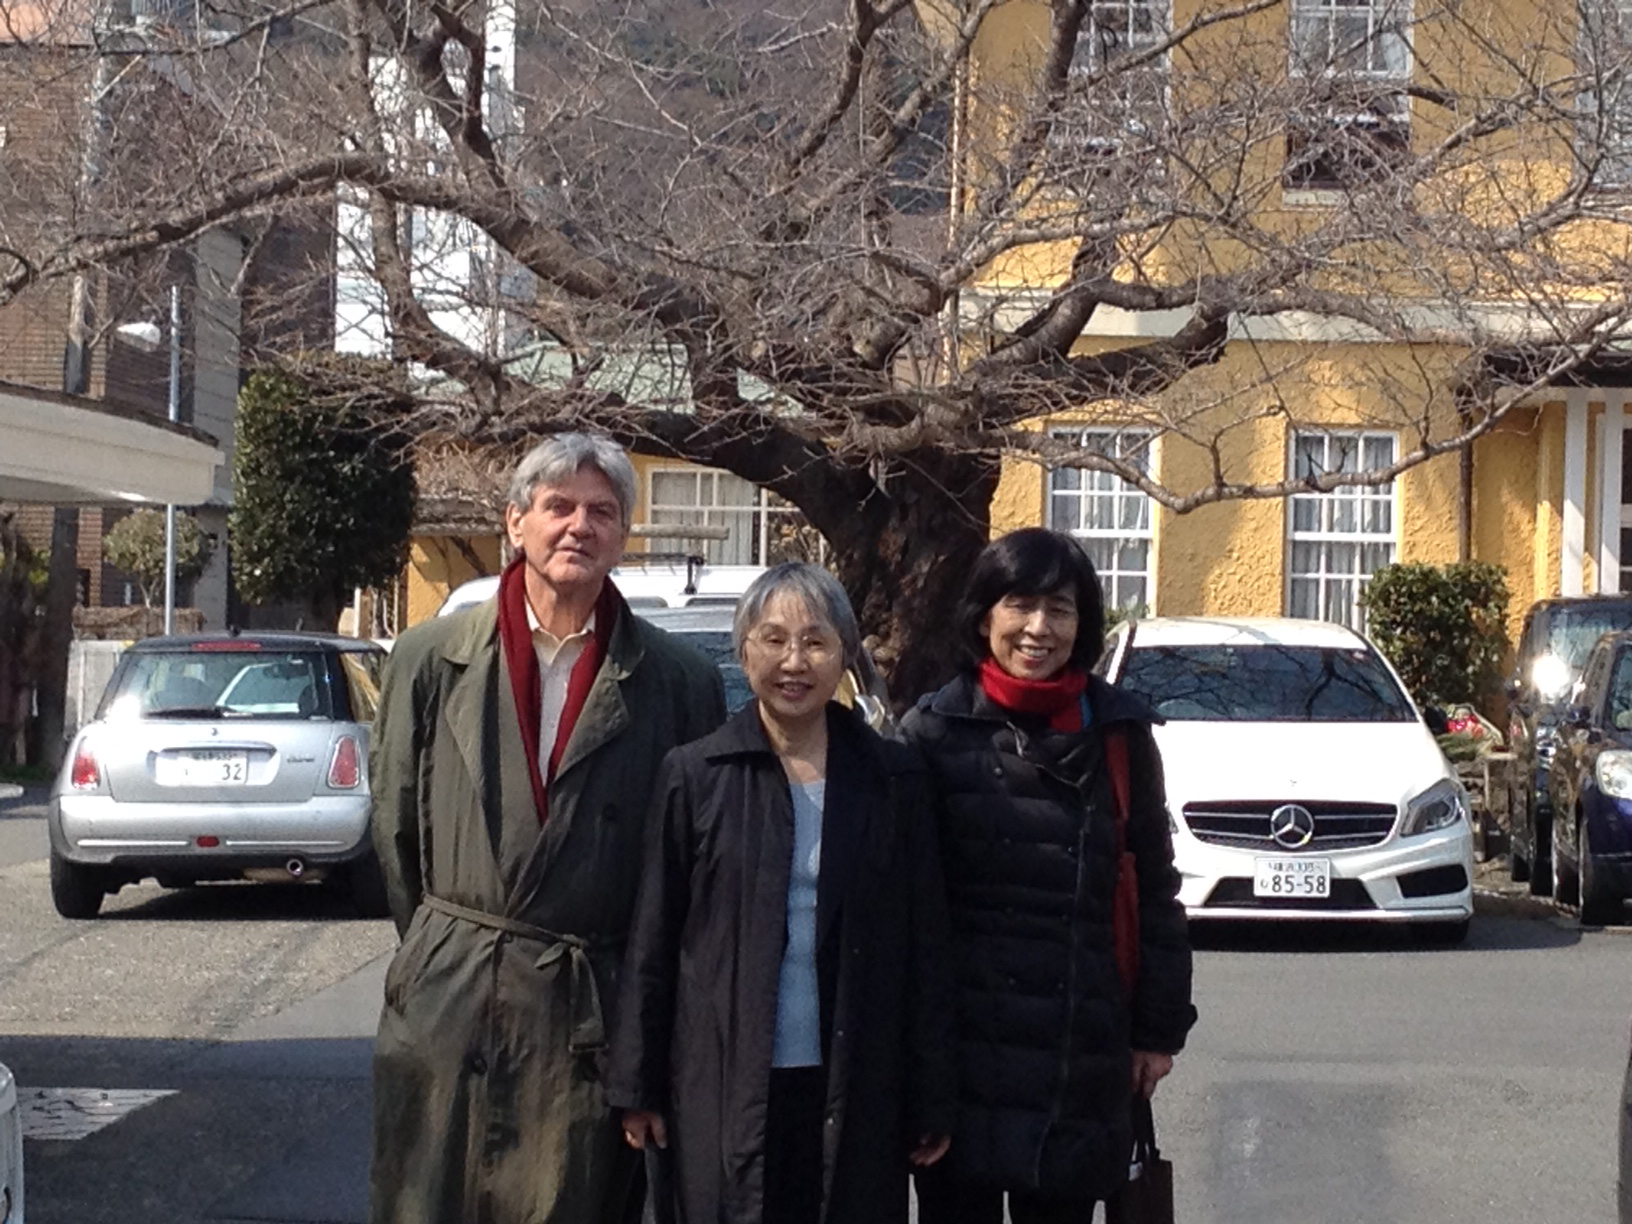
[85,774]
[345,770]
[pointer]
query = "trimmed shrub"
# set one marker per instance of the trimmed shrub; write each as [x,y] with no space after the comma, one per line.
[323,490]
[1443,627]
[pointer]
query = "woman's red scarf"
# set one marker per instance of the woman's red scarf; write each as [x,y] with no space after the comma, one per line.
[1059,698]
[527,683]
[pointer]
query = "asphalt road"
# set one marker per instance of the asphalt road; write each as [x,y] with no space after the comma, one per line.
[1335,1076]
[250,1008]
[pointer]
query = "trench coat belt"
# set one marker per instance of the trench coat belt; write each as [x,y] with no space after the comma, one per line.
[588,1022]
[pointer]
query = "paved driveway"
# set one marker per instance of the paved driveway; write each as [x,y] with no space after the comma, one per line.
[1335,1076]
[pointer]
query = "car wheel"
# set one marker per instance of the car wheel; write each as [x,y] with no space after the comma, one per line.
[365,882]
[1566,883]
[77,891]
[1600,905]
[1441,934]
[1542,883]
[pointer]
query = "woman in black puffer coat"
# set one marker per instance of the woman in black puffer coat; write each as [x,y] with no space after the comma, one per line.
[1052,1045]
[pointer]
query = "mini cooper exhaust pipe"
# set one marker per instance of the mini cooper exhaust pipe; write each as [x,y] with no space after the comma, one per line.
[293,871]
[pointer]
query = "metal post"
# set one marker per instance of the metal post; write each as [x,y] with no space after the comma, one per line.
[175,415]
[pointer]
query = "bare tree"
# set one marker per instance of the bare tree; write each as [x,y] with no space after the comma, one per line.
[854,250]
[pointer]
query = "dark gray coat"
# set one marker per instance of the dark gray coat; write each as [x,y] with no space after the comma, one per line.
[1045,1029]
[697,1016]
[487,1097]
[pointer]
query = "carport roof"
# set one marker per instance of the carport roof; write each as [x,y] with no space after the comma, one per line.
[62,449]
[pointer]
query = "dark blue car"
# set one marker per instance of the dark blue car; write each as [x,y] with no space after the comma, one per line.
[1558,636]
[1592,787]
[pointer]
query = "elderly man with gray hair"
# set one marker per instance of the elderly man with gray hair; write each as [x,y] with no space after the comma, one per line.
[513,759]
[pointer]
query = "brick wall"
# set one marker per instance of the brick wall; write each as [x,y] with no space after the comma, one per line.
[43,129]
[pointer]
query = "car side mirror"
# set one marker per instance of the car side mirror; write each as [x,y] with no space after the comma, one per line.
[1436,720]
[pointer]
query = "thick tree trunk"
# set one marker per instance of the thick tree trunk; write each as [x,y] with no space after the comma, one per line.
[905,560]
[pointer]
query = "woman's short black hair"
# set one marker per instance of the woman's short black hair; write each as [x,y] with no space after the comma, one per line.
[1034,561]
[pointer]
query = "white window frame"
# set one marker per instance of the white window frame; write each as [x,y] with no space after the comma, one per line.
[1615,168]
[1326,579]
[1142,443]
[1385,19]
[1088,59]
[1087,56]
[1363,102]
[762,510]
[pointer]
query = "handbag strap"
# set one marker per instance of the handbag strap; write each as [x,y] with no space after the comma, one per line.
[1116,761]
[1144,1129]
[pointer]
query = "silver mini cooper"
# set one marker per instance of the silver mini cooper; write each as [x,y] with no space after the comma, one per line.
[222,756]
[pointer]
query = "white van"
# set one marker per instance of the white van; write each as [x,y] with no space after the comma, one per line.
[669,582]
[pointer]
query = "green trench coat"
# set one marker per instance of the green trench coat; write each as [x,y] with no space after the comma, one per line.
[488,1105]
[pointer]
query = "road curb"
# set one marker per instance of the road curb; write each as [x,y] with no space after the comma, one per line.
[1513,905]
[10,790]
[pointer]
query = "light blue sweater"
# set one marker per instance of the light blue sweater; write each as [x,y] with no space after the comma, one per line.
[798,1001]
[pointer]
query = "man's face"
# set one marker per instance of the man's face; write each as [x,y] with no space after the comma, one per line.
[573,533]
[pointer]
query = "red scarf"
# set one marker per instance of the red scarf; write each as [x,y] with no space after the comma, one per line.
[516,640]
[1058,698]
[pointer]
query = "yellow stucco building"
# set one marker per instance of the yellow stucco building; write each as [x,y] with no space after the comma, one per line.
[1542,493]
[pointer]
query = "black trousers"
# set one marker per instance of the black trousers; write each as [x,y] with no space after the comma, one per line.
[793,1145]
[943,1200]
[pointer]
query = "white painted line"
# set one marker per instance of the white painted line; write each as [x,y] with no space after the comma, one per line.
[74,1113]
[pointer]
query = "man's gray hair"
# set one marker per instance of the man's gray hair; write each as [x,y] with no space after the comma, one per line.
[560,458]
[814,587]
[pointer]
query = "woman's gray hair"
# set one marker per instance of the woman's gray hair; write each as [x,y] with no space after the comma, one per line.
[813,586]
[558,459]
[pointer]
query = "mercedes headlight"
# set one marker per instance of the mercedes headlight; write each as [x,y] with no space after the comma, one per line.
[1614,773]
[1551,676]
[1439,807]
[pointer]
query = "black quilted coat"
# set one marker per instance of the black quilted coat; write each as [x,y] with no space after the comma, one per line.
[1028,841]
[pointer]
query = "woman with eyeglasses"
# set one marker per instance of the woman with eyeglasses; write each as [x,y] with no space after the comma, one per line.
[784,1024]
[1072,1000]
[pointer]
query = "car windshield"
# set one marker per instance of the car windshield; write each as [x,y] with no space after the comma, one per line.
[217,683]
[716,644]
[1265,684]
[1571,632]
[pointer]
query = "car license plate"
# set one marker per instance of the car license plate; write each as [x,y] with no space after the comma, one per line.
[204,767]
[1292,878]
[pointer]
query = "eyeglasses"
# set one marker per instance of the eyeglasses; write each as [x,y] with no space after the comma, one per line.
[817,650]
[1053,608]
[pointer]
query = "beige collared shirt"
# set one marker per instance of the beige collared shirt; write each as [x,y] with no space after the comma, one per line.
[556,657]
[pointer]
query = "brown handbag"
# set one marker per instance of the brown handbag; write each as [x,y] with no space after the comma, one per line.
[1148,1196]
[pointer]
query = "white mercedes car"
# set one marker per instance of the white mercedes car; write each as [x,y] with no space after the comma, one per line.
[1301,778]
